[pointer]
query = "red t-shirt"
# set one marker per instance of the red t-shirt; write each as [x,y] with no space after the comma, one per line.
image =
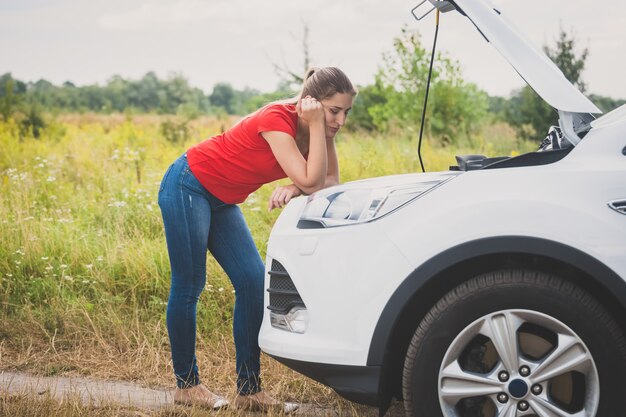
[239,161]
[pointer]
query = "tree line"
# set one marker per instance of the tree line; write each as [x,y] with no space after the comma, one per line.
[394,100]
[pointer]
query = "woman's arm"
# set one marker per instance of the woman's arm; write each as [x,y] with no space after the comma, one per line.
[332,175]
[308,175]
[283,194]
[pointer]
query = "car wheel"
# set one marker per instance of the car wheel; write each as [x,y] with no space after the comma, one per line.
[516,343]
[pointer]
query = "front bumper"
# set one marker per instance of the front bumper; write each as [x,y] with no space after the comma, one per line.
[355,383]
[344,276]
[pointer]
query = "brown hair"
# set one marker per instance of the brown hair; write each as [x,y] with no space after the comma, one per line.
[322,83]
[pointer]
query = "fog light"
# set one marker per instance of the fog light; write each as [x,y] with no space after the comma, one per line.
[295,321]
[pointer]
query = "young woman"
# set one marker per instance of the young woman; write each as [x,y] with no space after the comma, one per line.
[198,197]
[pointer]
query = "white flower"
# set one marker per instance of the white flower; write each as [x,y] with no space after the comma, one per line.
[100,258]
[220,289]
[63,266]
[44,258]
[68,278]
[51,179]
[118,204]
[89,266]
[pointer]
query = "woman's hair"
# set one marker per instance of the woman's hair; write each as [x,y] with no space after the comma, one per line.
[322,83]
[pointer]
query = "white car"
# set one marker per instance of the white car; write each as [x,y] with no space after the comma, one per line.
[494,289]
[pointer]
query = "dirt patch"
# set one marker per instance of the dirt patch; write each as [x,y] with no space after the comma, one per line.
[100,393]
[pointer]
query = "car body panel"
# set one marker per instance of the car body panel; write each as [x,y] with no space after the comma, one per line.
[332,282]
[539,202]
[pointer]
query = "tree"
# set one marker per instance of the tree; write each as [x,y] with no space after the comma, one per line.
[528,112]
[223,96]
[564,56]
[455,107]
[292,79]
[11,94]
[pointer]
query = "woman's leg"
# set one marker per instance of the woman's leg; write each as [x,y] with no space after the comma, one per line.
[187,219]
[232,245]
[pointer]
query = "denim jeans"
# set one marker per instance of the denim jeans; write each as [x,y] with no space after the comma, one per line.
[195,221]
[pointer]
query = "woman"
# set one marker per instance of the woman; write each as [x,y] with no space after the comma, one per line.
[198,197]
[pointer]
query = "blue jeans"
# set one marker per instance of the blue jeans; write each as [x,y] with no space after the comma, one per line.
[195,221]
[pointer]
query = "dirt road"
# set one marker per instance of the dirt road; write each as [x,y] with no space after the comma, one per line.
[126,394]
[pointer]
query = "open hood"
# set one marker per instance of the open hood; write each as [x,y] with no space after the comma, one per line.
[541,74]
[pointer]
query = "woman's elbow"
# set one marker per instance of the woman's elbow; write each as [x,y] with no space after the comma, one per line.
[311,187]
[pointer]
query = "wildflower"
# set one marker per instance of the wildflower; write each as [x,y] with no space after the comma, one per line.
[220,289]
[100,258]
[9,275]
[89,266]
[63,266]
[68,278]
[255,208]
[117,204]
[18,263]
[44,258]
[49,268]
[51,179]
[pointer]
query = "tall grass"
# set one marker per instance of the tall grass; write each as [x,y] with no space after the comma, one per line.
[84,272]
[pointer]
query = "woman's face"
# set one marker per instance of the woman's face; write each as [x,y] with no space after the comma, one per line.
[336,110]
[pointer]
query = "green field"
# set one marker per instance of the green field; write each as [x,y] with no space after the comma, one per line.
[84,273]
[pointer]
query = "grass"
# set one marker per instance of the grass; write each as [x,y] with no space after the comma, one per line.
[84,273]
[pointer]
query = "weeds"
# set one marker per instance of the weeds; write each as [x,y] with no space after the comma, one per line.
[84,272]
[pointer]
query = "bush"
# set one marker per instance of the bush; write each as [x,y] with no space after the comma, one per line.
[456,108]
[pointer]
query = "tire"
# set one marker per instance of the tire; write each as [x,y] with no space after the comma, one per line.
[527,324]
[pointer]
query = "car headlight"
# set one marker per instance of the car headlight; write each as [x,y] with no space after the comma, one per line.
[367,200]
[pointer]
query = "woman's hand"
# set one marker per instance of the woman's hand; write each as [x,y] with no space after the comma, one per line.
[281,196]
[310,110]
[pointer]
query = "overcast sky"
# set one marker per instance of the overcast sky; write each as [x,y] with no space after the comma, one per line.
[236,41]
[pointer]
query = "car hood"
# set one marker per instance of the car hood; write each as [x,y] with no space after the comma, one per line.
[541,74]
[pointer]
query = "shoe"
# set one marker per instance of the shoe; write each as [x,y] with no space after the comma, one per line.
[261,401]
[199,396]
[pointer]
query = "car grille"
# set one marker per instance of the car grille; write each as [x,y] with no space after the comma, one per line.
[283,294]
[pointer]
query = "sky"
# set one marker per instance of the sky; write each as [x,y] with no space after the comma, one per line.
[239,41]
